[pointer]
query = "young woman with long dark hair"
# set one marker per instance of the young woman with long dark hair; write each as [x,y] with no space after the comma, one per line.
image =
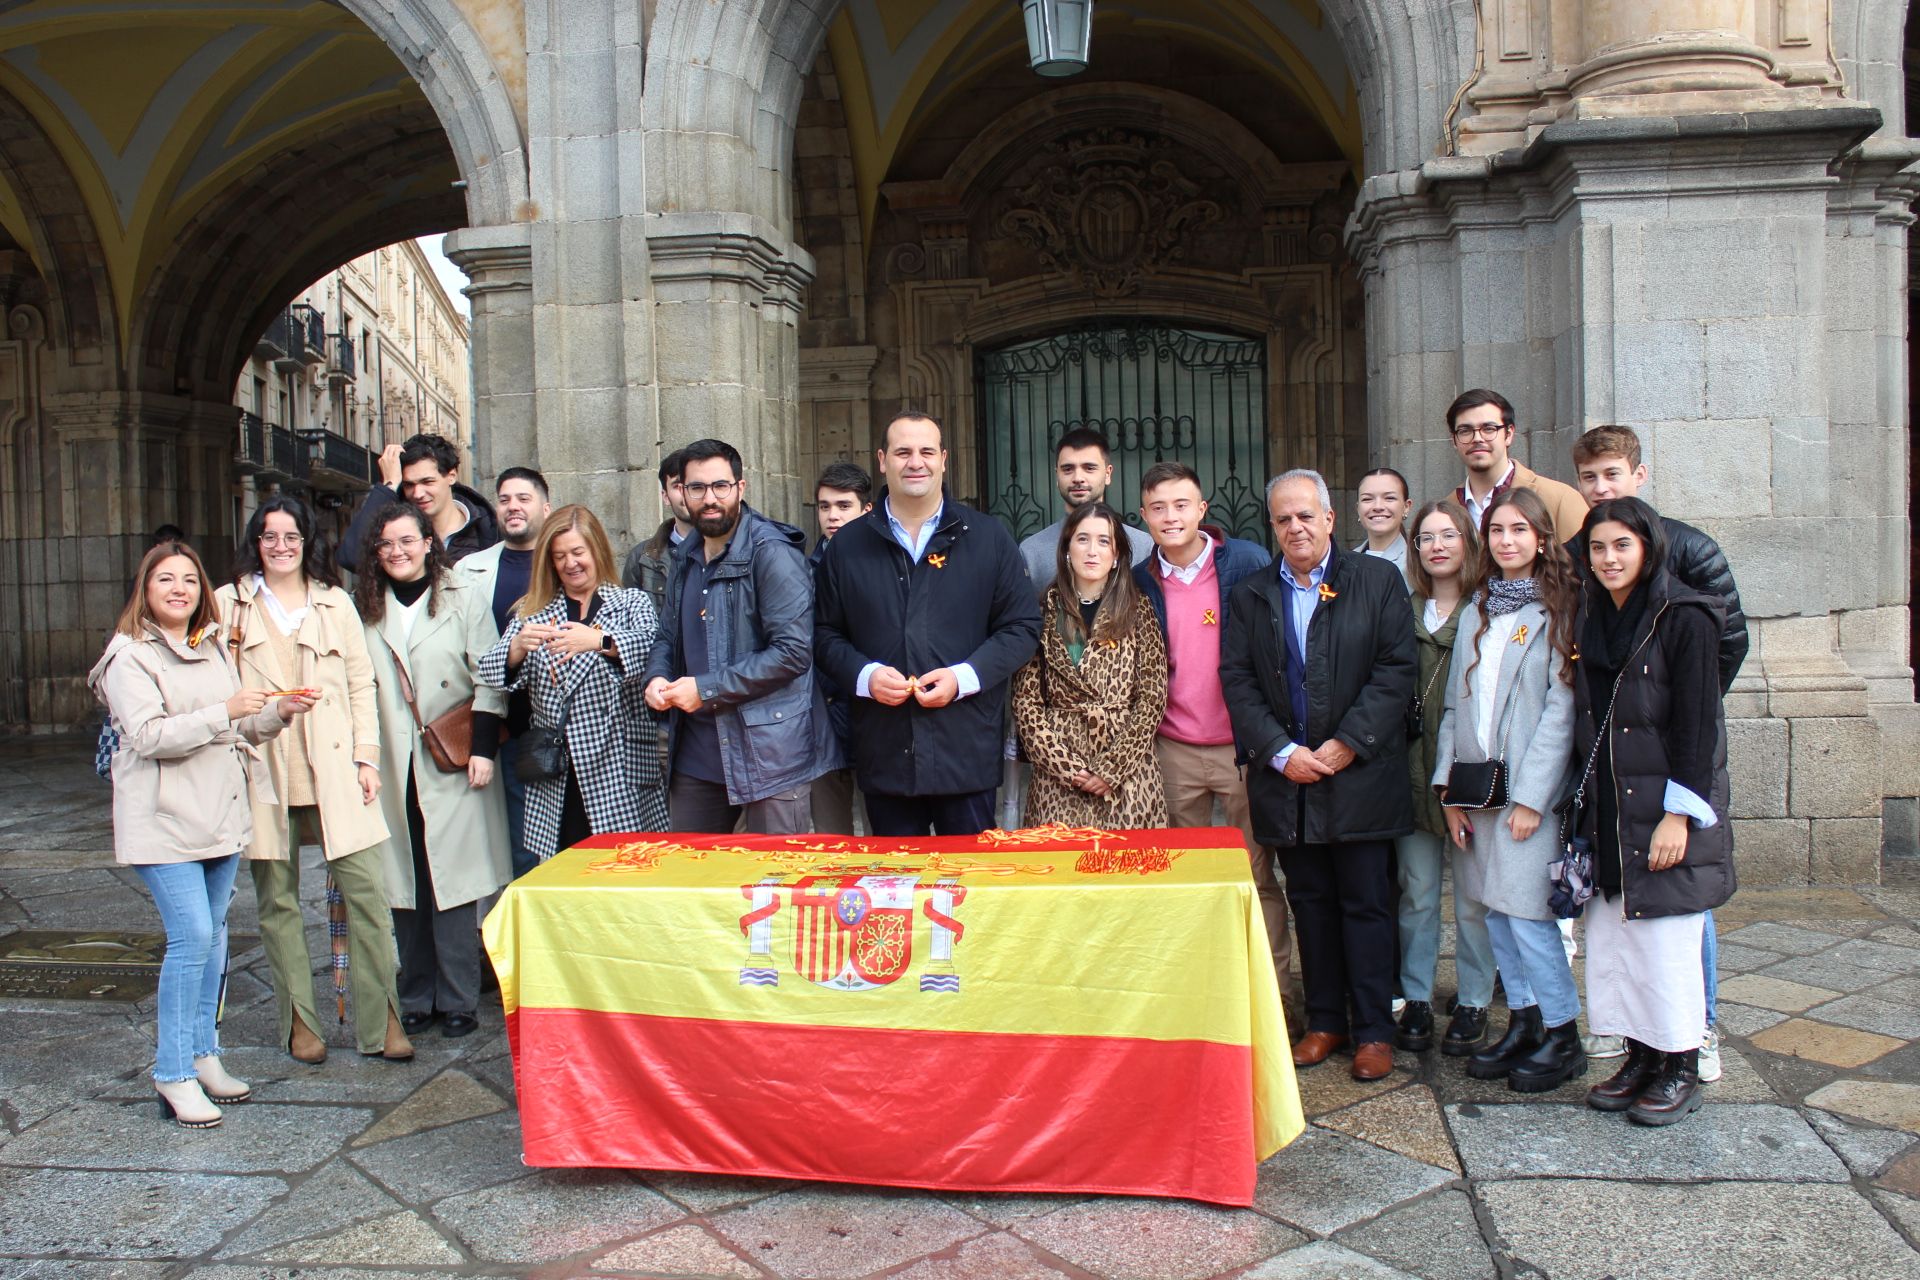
[1510,703]
[291,626]
[1088,703]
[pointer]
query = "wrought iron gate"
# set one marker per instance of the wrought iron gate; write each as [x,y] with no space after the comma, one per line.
[1159,393]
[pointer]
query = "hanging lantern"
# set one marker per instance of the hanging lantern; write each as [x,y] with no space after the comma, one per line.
[1058,33]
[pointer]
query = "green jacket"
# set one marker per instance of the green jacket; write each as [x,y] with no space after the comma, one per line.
[1436,664]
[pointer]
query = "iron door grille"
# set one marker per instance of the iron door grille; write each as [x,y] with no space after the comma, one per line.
[1159,393]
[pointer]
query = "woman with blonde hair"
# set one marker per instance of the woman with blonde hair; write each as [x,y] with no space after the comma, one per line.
[426,631]
[182,776]
[290,626]
[1088,703]
[578,643]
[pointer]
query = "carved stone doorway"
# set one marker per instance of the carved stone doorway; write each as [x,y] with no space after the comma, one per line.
[1158,392]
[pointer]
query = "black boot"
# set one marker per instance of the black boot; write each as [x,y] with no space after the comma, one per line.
[1674,1094]
[1558,1060]
[1522,1038]
[1619,1090]
[1466,1033]
[1415,1033]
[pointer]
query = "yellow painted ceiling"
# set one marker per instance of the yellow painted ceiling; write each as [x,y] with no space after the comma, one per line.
[157,108]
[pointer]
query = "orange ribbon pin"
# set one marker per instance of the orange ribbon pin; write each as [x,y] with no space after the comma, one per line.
[938,562]
[1207,619]
[1327,592]
[1520,636]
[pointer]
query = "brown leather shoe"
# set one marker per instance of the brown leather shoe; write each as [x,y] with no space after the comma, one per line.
[1373,1061]
[305,1045]
[1315,1046]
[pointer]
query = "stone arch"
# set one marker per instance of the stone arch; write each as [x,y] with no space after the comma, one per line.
[1869,46]
[65,243]
[1411,62]
[243,255]
[476,88]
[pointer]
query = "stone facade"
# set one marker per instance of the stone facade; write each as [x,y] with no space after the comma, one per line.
[780,220]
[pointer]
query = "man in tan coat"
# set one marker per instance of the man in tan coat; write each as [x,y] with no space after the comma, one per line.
[1481,424]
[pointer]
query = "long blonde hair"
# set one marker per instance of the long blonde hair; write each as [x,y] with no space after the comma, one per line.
[543,584]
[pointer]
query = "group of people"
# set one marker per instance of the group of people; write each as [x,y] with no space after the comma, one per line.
[723,678]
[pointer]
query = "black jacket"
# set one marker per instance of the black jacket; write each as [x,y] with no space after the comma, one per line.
[968,599]
[1361,663]
[759,684]
[1697,561]
[649,564]
[839,700]
[1631,771]
[481,531]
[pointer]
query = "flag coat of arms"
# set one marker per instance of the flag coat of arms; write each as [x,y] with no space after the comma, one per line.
[1048,1010]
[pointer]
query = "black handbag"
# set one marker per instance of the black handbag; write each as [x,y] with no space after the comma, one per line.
[1480,784]
[1570,876]
[541,753]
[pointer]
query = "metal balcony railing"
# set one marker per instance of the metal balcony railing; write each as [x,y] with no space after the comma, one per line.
[340,357]
[335,462]
[310,332]
[252,455]
[285,458]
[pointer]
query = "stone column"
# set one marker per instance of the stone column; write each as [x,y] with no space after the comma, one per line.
[499,264]
[1679,274]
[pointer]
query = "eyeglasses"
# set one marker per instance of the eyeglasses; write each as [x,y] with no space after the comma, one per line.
[1489,430]
[721,489]
[281,539]
[387,546]
[1428,539]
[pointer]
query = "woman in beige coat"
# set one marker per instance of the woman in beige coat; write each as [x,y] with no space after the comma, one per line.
[426,632]
[181,811]
[290,626]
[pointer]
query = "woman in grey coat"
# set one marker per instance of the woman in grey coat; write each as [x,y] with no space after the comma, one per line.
[1510,698]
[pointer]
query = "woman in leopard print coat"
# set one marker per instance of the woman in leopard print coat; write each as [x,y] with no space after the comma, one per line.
[1088,703]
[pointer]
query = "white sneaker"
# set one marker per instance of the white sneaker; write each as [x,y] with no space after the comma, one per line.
[1710,1056]
[1604,1046]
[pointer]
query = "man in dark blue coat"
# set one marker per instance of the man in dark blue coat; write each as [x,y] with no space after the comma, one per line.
[925,611]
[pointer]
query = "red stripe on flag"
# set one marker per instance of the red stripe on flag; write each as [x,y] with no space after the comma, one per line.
[960,1111]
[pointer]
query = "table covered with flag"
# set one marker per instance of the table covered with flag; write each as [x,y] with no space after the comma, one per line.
[1053,1009]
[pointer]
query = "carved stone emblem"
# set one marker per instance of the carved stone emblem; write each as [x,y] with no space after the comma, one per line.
[1108,206]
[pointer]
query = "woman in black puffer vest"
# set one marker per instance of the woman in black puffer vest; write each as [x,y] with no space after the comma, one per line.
[1655,807]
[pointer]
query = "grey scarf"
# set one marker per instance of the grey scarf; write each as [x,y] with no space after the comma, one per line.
[1507,595]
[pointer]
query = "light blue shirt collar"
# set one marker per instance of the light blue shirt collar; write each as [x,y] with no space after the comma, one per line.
[916,547]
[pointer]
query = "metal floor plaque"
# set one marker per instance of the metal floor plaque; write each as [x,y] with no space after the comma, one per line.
[86,964]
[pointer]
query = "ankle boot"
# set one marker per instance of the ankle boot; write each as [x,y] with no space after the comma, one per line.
[1674,1094]
[1619,1090]
[398,1048]
[185,1103]
[305,1045]
[1558,1060]
[220,1087]
[1523,1037]
[1415,1032]
[1466,1032]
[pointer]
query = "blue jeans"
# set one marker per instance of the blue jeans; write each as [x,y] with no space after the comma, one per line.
[506,767]
[193,899]
[1533,964]
[1421,857]
[1710,963]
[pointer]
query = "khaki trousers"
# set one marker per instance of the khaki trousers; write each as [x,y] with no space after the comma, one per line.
[1194,777]
[283,931]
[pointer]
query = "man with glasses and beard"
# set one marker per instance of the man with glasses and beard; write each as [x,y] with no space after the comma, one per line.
[733,664]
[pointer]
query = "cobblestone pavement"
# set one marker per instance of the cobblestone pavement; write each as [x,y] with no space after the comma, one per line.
[1805,1163]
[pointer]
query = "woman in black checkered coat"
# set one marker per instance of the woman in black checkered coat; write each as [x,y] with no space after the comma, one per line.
[578,643]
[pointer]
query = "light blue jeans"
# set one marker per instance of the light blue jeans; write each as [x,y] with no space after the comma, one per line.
[193,899]
[1710,963]
[1420,858]
[1533,965]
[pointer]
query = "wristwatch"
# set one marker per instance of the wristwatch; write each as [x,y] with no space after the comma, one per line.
[606,645]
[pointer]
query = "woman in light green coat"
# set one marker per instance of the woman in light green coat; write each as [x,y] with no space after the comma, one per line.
[426,633]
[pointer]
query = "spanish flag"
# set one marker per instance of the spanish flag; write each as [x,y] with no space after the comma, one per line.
[1052,1009]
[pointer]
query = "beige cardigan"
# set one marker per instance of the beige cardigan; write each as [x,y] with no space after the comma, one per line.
[182,775]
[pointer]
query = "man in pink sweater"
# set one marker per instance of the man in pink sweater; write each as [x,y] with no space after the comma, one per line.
[1189,579]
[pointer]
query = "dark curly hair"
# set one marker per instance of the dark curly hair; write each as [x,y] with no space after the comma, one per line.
[370,592]
[316,563]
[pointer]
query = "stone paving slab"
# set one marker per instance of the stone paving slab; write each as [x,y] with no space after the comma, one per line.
[1865,1149]
[108,1135]
[423,1167]
[1725,1141]
[831,1231]
[690,1249]
[1612,1230]
[1324,1260]
[1002,1256]
[399,1239]
[124,1215]
[1824,1042]
[1326,1181]
[1896,1106]
[554,1214]
[1436,1237]
[1137,1239]
[334,1197]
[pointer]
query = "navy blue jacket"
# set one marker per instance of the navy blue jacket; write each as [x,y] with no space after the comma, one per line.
[839,700]
[773,725]
[1234,561]
[968,599]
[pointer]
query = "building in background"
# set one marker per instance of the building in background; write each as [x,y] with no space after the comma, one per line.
[366,356]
